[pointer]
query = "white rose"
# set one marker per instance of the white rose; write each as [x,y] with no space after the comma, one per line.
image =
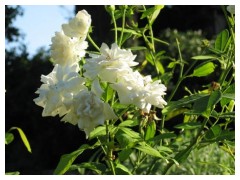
[88,111]
[65,50]
[133,88]
[78,27]
[111,64]
[58,89]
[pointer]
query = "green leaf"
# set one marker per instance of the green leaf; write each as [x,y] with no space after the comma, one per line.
[129,123]
[23,137]
[151,130]
[9,137]
[148,12]
[189,125]
[228,95]
[156,12]
[200,106]
[221,40]
[122,170]
[160,67]
[67,159]
[213,132]
[214,98]
[149,150]
[97,167]
[226,135]
[124,140]
[184,102]
[13,173]
[152,13]
[203,70]
[164,149]
[99,131]
[204,57]
[176,112]
[183,155]
[163,136]
[205,105]
[130,133]
[108,94]
[124,154]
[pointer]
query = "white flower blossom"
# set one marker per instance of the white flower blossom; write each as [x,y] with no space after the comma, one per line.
[66,50]
[133,88]
[88,111]
[78,26]
[58,89]
[111,64]
[231,9]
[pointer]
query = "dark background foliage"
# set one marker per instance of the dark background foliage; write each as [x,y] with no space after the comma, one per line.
[50,138]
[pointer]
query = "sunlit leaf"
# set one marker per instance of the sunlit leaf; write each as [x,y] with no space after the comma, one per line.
[151,130]
[13,173]
[149,150]
[98,131]
[204,57]
[129,123]
[130,132]
[122,170]
[204,69]
[23,137]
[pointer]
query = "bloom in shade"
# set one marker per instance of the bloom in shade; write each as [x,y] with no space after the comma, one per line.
[111,64]
[133,88]
[78,26]
[58,89]
[88,111]
[66,50]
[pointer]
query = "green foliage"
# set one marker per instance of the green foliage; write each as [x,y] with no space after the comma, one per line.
[9,137]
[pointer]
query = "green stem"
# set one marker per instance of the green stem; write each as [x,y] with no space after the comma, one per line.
[180,56]
[92,42]
[109,150]
[115,25]
[123,25]
[181,77]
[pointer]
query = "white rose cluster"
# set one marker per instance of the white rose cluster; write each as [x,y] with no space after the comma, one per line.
[115,66]
[64,92]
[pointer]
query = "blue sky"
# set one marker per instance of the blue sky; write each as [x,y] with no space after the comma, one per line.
[40,22]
